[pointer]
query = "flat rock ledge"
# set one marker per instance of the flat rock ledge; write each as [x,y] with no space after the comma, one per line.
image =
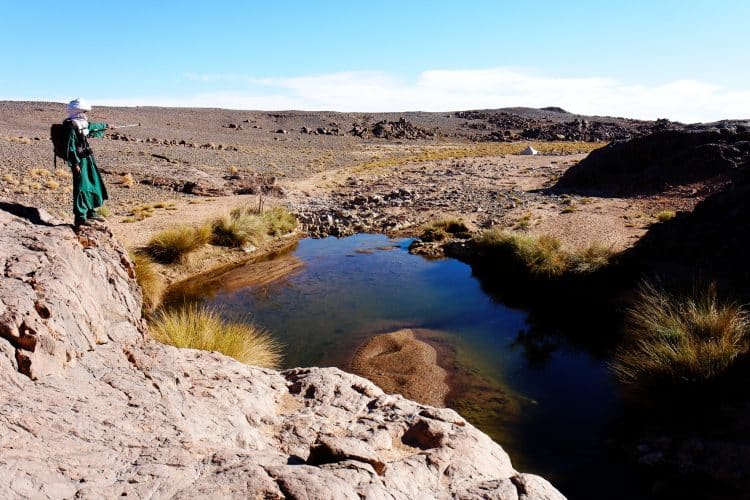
[90,407]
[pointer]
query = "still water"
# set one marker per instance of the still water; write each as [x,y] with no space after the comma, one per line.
[550,405]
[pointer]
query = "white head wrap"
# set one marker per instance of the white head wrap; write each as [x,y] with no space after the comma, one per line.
[77,112]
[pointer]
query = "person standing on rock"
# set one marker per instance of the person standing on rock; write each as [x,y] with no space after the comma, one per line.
[89,191]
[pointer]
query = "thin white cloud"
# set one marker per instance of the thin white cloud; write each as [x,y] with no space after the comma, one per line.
[447,90]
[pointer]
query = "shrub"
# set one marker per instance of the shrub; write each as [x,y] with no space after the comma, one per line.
[237,230]
[665,215]
[682,340]
[104,211]
[127,181]
[279,221]
[539,255]
[439,230]
[243,225]
[196,327]
[63,173]
[150,280]
[51,184]
[9,179]
[542,256]
[176,243]
[591,258]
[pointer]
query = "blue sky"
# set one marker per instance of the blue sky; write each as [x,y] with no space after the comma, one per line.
[686,60]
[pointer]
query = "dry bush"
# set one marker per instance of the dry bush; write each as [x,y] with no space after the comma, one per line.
[196,327]
[678,340]
[51,184]
[127,181]
[104,211]
[174,244]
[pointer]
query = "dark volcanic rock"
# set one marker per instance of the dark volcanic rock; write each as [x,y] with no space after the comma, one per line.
[653,163]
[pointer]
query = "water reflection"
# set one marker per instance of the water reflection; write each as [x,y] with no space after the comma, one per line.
[549,403]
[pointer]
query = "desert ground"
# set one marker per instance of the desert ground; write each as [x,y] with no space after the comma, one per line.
[339,173]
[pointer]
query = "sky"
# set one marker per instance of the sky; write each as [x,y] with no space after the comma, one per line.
[684,60]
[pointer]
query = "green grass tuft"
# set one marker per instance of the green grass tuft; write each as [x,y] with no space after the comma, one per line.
[541,256]
[680,340]
[279,221]
[244,225]
[665,215]
[440,230]
[196,327]
[174,244]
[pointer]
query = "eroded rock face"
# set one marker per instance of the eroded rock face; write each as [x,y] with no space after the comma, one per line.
[91,408]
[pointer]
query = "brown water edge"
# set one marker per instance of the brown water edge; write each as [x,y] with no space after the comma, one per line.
[428,366]
[256,272]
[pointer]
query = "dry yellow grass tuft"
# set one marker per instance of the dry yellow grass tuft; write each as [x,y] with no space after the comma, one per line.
[245,225]
[152,283]
[127,181]
[195,327]
[51,184]
[679,340]
[174,244]
[542,256]
[40,172]
[63,173]
[9,179]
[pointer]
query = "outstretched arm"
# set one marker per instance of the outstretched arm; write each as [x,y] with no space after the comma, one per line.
[96,130]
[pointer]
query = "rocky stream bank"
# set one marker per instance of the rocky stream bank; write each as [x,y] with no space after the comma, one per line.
[93,408]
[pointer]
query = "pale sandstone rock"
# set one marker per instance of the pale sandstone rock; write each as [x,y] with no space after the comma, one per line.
[90,407]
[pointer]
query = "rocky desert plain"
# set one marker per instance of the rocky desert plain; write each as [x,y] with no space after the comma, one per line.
[92,407]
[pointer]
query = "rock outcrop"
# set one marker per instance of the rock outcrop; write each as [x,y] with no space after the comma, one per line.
[92,408]
[655,162]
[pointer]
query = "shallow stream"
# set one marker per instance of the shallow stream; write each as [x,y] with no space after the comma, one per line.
[549,404]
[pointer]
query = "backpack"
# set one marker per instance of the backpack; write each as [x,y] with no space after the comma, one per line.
[59,133]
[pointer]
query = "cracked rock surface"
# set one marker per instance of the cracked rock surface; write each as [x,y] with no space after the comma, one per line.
[90,407]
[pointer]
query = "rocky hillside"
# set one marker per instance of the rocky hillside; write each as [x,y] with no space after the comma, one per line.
[658,161]
[92,408]
[699,246]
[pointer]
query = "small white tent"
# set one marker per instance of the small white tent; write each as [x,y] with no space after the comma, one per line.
[529,151]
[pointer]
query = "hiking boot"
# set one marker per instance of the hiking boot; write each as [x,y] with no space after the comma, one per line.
[79,223]
[97,218]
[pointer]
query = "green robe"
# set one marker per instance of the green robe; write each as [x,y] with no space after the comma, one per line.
[89,191]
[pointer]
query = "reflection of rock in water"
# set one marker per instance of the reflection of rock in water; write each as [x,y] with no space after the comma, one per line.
[235,277]
[400,363]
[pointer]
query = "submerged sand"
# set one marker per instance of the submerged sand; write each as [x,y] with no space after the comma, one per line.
[400,363]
